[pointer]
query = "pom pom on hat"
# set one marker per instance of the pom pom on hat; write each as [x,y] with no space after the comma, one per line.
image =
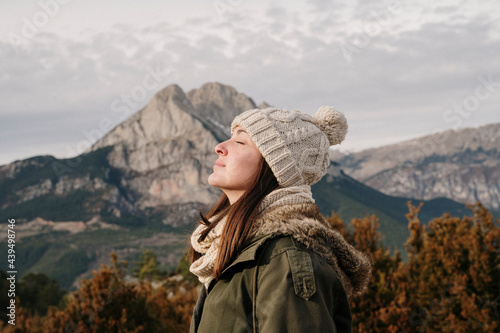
[332,123]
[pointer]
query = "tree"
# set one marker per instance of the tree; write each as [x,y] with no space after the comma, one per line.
[147,267]
[449,284]
[107,303]
[183,269]
[37,292]
[451,279]
[369,310]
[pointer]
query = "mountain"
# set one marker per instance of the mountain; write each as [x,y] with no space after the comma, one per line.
[143,184]
[462,165]
[140,186]
[165,150]
[350,199]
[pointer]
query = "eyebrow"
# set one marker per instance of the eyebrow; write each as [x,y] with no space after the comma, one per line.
[240,130]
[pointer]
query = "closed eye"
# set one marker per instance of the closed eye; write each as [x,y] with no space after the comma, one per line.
[241,143]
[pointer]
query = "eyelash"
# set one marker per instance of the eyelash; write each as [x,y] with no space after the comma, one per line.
[239,142]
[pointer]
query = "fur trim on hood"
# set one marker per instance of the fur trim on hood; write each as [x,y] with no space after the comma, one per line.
[305,223]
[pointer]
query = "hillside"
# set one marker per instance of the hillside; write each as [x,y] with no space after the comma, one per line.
[351,199]
[462,165]
[143,184]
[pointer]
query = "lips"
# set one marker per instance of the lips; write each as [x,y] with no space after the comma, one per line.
[219,164]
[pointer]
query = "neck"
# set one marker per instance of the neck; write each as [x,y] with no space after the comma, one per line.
[233,196]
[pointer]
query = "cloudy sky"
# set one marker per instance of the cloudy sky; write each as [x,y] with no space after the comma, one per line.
[397,69]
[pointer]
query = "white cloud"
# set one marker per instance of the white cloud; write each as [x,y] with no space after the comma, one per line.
[424,59]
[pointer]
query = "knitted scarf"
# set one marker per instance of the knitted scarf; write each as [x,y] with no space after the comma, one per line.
[204,266]
[291,211]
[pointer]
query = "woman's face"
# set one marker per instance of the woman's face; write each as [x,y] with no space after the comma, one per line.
[237,166]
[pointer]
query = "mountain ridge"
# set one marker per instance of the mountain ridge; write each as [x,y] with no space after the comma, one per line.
[462,165]
[145,180]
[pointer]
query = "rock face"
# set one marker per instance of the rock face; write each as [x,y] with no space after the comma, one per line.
[143,184]
[159,157]
[166,149]
[146,178]
[462,165]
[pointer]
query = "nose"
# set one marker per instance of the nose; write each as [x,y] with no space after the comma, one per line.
[220,149]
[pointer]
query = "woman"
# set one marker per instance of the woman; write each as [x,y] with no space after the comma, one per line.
[267,259]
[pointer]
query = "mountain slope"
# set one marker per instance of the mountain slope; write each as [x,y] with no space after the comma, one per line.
[352,199]
[462,165]
[146,178]
[143,184]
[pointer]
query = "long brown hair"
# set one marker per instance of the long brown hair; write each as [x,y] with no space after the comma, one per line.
[240,219]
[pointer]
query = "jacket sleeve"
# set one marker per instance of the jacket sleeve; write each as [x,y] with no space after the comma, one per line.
[298,292]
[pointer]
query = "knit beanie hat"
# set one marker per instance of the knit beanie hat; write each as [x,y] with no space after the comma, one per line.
[294,144]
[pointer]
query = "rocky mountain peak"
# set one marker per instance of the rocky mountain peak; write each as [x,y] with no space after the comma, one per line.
[160,156]
[166,149]
[219,103]
[171,113]
[463,165]
[166,116]
[171,91]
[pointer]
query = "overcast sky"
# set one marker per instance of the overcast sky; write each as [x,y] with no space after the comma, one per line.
[397,69]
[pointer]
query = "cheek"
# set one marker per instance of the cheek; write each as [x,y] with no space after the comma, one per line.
[252,165]
[249,173]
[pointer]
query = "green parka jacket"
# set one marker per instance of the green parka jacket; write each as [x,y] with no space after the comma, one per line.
[278,284]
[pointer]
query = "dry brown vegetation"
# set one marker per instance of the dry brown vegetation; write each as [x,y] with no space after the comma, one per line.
[449,284]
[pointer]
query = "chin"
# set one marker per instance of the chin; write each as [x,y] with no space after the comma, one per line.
[212,181]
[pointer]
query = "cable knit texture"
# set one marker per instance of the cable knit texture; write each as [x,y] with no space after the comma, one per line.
[300,218]
[294,144]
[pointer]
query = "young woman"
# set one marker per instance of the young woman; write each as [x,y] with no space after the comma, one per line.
[267,260]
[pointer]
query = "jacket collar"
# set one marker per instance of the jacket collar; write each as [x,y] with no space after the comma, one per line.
[249,252]
[306,225]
